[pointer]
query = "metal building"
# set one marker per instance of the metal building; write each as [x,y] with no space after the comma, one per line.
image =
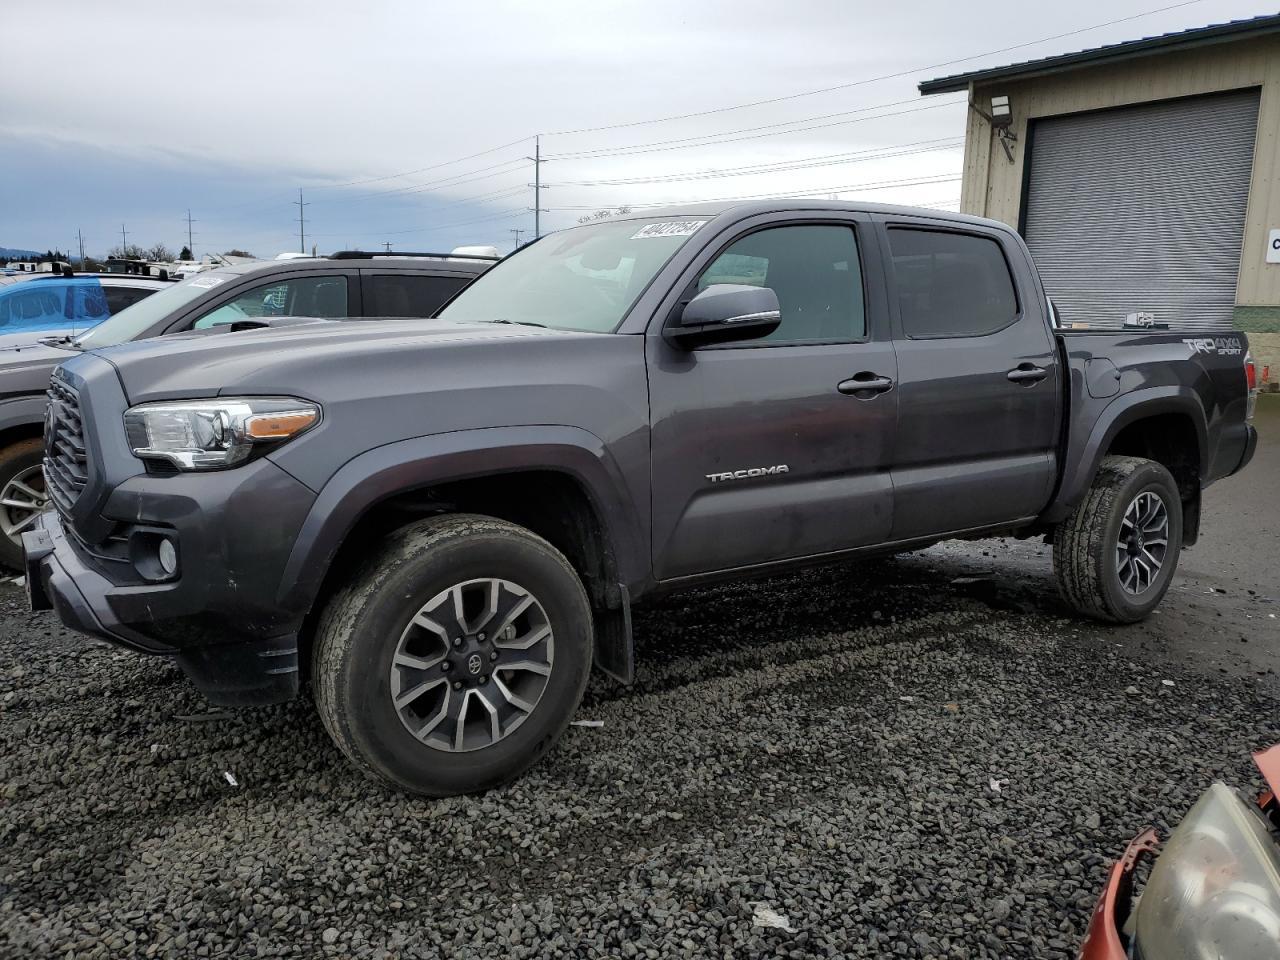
[1145,176]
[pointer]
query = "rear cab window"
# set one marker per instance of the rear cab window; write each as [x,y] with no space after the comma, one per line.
[407,294]
[951,284]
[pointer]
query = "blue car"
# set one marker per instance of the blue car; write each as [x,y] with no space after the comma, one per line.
[52,304]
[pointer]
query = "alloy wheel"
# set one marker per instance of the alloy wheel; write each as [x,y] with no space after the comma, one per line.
[22,500]
[472,664]
[1142,543]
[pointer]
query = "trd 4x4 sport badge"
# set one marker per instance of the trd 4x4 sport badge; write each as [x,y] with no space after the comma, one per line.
[1227,346]
[746,474]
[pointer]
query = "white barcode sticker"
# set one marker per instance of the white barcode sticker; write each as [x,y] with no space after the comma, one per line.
[668,228]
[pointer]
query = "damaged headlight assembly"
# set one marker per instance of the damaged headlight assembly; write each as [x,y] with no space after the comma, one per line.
[1214,891]
[215,434]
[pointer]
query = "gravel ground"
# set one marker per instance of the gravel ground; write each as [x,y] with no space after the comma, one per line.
[894,762]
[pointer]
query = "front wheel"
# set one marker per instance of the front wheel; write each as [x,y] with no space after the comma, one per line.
[456,656]
[1115,555]
[22,497]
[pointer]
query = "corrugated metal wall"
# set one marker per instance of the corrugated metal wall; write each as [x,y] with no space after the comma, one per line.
[993,186]
[1142,209]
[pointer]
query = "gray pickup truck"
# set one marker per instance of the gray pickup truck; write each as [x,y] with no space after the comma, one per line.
[444,523]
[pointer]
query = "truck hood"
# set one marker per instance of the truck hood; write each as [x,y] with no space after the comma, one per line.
[293,360]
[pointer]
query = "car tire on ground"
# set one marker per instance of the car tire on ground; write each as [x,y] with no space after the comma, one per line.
[22,496]
[455,657]
[1116,553]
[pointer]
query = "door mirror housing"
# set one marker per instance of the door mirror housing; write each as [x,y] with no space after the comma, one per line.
[724,313]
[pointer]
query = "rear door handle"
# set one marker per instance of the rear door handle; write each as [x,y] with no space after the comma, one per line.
[865,385]
[1027,373]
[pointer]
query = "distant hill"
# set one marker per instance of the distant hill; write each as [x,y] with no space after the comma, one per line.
[12,253]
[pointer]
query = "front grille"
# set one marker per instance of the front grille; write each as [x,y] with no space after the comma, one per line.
[66,466]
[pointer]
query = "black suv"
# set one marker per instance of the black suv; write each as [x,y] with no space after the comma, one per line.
[347,284]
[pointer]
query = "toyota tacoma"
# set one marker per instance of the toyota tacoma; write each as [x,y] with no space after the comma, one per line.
[443,524]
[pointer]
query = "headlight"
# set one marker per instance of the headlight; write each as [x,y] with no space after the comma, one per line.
[1214,891]
[210,434]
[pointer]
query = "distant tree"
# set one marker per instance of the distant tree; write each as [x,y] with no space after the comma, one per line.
[160,253]
[131,252]
[238,253]
[604,214]
[185,254]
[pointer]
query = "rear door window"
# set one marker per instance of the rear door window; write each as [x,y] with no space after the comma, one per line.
[89,305]
[408,295]
[951,284]
[120,297]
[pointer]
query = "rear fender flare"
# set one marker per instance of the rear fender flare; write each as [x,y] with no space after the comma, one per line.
[401,467]
[1081,467]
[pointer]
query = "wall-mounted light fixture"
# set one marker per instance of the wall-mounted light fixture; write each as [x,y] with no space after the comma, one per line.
[1001,120]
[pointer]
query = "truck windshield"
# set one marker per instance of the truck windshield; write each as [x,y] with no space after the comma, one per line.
[585,278]
[137,319]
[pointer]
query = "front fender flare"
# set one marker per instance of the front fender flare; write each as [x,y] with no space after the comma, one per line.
[22,412]
[1081,464]
[400,467]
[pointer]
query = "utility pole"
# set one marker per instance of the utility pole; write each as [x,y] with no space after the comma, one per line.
[190,241]
[537,185]
[387,244]
[80,238]
[124,242]
[517,231]
[302,223]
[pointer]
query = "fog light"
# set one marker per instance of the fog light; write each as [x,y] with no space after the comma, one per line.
[168,557]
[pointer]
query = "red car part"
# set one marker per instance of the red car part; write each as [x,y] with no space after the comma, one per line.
[1268,762]
[1102,942]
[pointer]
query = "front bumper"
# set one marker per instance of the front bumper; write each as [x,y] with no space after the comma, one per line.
[219,618]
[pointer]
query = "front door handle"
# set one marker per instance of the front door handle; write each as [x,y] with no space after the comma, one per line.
[1027,373]
[865,385]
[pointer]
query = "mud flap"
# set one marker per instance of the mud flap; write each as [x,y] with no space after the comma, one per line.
[615,651]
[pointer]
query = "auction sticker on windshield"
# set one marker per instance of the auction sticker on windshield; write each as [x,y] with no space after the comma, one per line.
[668,228]
[207,281]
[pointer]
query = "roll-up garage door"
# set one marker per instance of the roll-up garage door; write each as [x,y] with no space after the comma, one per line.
[1141,209]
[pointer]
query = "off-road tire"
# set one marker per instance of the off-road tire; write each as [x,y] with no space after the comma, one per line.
[360,627]
[14,459]
[1084,549]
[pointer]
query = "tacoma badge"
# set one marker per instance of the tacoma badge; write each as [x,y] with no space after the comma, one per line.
[749,472]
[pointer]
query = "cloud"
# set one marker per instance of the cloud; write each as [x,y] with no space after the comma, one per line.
[229,109]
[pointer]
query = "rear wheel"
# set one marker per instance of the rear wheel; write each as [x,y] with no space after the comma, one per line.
[22,496]
[1115,555]
[456,656]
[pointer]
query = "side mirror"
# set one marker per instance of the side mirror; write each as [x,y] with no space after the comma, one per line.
[724,313]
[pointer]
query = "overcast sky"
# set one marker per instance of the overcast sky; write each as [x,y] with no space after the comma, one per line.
[115,113]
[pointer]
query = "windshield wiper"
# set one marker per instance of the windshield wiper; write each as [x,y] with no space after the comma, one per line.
[523,323]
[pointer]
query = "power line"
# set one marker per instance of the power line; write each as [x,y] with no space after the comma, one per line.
[434,166]
[453,181]
[783,166]
[681,144]
[501,215]
[867,80]
[794,194]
